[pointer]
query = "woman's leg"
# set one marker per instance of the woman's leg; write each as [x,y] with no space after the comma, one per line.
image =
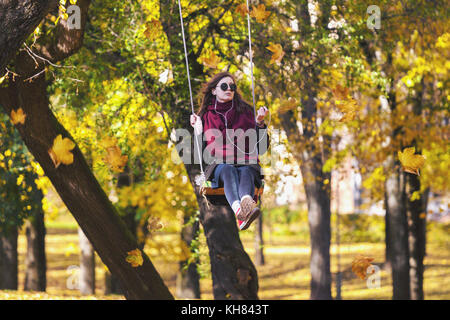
[230,179]
[246,181]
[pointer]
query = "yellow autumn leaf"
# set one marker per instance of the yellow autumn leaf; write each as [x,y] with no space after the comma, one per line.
[152,29]
[18,116]
[340,92]
[360,265]
[278,52]
[135,258]
[286,105]
[348,109]
[260,13]
[154,223]
[109,142]
[345,103]
[211,61]
[115,159]
[242,9]
[411,162]
[60,151]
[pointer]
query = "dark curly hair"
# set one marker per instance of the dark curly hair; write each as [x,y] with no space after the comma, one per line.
[206,95]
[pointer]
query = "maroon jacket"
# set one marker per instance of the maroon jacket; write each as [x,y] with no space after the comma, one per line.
[218,146]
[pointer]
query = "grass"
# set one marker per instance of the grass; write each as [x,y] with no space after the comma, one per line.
[284,276]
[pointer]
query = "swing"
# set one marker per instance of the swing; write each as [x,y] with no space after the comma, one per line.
[216,196]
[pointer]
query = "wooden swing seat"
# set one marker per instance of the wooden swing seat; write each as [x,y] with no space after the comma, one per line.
[216,196]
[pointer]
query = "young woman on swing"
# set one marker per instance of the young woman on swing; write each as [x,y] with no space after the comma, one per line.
[238,170]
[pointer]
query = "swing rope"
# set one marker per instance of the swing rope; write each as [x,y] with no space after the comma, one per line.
[199,181]
[251,59]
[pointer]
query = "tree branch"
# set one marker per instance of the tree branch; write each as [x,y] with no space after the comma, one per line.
[17,20]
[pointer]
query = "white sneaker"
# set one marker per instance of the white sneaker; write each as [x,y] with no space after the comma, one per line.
[247,205]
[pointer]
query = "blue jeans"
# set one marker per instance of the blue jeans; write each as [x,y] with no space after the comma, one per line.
[237,181]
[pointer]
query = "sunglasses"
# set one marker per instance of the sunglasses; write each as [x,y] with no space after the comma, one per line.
[224,86]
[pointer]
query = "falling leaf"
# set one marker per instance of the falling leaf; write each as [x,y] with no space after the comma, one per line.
[18,117]
[423,215]
[154,223]
[286,105]
[340,92]
[411,162]
[60,151]
[260,13]
[152,29]
[345,103]
[109,142]
[242,9]
[211,61]
[115,159]
[360,265]
[349,110]
[278,52]
[135,258]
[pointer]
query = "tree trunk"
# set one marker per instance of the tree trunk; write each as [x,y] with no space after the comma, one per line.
[35,261]
[112,285]
[398,232]
[188,279]
[87,265]
[233,274]
[259,242]
[8,259]
[387,239]
[320,236]
[416,236]
[395,204]
[311,157]
[319,214]
[17,20]
[79,189]
[416,214]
